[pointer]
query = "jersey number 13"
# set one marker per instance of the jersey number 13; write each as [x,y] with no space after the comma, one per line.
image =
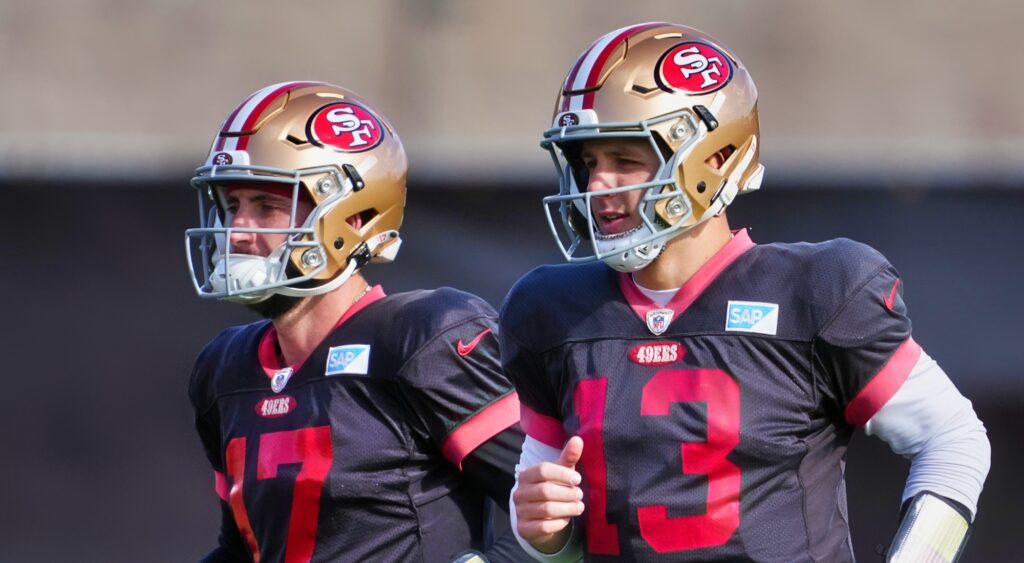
[666,534]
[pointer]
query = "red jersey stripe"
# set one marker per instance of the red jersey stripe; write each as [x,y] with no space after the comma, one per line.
[544,429]
[496,417]
[873,396]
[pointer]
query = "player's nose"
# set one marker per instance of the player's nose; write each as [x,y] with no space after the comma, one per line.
[241,240]
[601,178]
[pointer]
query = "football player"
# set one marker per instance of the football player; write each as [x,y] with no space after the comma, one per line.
[688,394]
[349,425]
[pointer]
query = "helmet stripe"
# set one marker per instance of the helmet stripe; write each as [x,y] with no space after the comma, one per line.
[571,78]
[232,124]
[585,64]
[247,114]
[591,63]
[221,139]
[595,72]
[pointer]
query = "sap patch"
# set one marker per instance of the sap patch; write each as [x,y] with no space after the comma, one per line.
[751,316]
[353,359]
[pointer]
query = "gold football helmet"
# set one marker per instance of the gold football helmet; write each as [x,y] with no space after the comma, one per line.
[696,105]
[316,141]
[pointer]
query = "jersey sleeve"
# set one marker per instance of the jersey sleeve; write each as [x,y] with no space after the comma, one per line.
[230,546]
[540,416]
[865,350]
[455,385]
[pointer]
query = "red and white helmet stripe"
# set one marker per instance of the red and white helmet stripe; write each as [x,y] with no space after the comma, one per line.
[590,65]
[245,116]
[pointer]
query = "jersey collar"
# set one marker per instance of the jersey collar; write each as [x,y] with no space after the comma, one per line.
[693,287]
[267,350]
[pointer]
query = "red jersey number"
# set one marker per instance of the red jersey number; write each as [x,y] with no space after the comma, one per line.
[309,446]
[664,533]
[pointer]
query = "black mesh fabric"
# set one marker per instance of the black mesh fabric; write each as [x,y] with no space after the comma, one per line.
[387,491]
[567,336]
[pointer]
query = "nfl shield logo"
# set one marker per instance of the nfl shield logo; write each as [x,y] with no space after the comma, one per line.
[659,319]
[280,379]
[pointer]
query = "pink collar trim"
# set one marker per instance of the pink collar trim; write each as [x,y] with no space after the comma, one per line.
[267,350]
[693,287]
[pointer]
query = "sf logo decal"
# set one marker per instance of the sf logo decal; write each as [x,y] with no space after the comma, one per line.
[345,127]
[697,68]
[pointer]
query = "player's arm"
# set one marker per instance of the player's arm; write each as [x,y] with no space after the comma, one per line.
[547,494]
[886,383]
[930,422]
[230,545]
[229,548]
[932,528]
[471,411]
[491,466]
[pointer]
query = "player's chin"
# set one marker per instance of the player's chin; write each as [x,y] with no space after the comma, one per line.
[274,307]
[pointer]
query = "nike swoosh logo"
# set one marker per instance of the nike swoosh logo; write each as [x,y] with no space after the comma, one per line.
[465,349]
[891,300]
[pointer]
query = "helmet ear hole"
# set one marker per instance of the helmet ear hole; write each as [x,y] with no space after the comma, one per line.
[338,243]
[717,160]
[361,219]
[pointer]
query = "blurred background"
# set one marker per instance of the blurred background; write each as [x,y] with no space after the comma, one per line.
[897,124]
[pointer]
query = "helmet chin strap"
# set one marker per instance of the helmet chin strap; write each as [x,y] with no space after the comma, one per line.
[357,260]
[341,278]
[731,188]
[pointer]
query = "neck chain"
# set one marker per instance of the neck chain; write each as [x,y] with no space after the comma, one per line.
[361,294]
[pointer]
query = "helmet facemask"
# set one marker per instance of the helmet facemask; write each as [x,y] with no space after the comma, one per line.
[312,142]
[664,208]
[692,101]
[220,273]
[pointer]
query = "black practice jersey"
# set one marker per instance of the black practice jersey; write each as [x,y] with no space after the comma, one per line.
[354,455]
[714,428]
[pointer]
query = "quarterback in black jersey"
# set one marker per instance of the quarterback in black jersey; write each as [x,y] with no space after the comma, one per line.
[691,398]
[351,425]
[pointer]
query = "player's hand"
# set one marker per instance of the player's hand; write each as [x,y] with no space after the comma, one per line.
[547,499]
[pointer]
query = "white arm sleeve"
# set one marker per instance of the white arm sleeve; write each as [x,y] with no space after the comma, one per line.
[535,452]
[930,422]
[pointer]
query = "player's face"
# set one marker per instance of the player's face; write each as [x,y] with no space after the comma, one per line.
[253,208]
[613,163]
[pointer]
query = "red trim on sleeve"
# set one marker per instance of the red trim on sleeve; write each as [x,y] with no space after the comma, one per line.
[545,429]
[498,416]
[220,484]
[884,384]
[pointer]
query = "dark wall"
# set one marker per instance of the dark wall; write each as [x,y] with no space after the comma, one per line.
[99,459]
